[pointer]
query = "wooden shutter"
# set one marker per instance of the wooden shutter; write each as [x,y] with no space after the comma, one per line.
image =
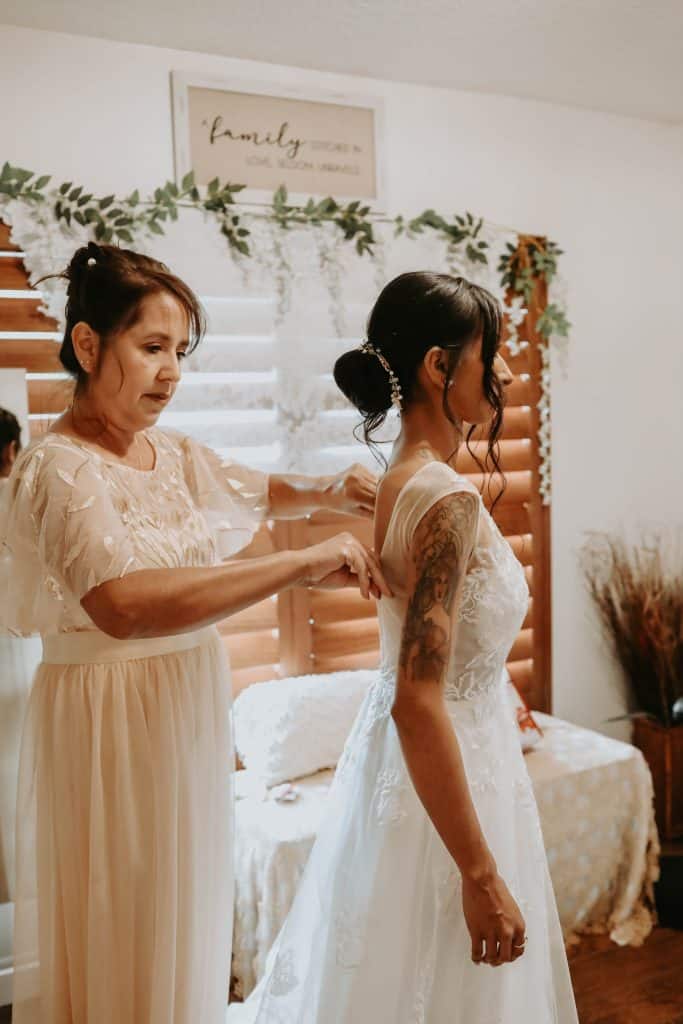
[327,630]
[305,631]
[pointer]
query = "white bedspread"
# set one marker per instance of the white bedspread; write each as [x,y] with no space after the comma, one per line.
[595,802]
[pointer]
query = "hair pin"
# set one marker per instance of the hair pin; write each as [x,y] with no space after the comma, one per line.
[396,393]
[92,261]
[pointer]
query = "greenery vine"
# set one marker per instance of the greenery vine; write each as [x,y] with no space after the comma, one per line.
[520,266]
[112,219]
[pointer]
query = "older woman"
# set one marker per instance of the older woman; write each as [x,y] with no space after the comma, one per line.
[112,536]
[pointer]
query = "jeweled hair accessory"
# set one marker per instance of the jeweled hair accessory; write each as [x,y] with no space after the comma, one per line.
[396,393]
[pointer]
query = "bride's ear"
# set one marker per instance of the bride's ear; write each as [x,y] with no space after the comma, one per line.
[435,366]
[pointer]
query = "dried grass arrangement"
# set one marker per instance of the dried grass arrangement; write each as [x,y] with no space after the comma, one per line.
[638,591]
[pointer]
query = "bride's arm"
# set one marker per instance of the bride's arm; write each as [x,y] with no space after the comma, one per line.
[441,546]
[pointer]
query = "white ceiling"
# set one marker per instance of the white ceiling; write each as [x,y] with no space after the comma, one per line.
[623,56]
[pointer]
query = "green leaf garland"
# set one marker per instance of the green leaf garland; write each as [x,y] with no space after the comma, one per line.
[123,220]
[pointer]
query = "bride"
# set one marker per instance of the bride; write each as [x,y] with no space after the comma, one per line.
[429,862]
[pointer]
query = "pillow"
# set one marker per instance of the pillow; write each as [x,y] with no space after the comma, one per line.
[530,732]
[286,728]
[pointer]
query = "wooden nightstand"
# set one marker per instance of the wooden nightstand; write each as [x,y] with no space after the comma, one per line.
[669,888]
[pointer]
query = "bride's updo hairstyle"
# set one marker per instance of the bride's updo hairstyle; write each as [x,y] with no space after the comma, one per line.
[106,287]
[413,313]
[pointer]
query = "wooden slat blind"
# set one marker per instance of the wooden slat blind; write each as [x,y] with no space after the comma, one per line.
[318,631]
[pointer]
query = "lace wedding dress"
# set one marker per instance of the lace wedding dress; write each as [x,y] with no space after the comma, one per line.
[376,933]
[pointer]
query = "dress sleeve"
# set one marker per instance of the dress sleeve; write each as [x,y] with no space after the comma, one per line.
[60,536]
[441,481]
[232,497]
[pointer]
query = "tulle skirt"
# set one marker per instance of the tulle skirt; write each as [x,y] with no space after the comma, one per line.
[376,933]
[124,834]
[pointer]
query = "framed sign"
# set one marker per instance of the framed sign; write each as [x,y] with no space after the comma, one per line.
[262,136]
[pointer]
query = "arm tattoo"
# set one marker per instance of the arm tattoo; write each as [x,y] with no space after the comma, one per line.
[442,544]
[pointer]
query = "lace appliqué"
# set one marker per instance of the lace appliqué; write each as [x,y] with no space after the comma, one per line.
[388,798]
[376,709]
[381,699]
[524,794]
[493,604]
[525,801]
[448,887]
[349,938]
[284,979]
[479,675]
[475,593]
[419,1015]
[485,779]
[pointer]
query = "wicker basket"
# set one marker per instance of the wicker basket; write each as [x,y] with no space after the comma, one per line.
[662,748]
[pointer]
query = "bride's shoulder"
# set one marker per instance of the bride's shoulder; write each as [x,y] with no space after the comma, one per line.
[421,476]
[409,489]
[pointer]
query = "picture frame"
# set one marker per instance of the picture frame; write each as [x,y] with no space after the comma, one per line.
[261,135]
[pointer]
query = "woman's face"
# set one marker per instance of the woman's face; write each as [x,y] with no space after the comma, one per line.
[140,367]
[466,395]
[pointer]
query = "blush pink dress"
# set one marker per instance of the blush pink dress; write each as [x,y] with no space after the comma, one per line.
[124,810]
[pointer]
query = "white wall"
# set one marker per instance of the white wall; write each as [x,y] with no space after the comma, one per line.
[606,188]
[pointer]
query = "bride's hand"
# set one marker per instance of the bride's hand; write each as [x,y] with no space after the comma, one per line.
[493,918]
[343,560]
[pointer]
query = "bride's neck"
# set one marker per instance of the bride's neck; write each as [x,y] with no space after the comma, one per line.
[423,428]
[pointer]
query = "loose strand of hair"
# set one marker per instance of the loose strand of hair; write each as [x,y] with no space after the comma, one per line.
[369,424]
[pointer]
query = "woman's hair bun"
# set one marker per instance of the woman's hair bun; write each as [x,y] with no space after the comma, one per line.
[364,381]
[83,261]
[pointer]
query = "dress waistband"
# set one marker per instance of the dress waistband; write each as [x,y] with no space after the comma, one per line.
[95,647]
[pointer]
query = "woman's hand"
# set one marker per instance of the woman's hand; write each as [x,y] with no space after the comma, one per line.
[352,491]
[492,917]
[341,561]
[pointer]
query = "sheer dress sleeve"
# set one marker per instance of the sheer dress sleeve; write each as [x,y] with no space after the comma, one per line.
[60,536]
[233,497]
[427,493]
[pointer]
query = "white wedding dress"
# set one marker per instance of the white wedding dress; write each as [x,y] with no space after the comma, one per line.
[376,933]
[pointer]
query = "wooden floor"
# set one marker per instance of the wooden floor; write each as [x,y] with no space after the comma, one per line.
[615,985]
[623,985]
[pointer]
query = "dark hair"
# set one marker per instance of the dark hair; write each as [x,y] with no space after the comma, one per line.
[106,287]
[9,431]
[413,313]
